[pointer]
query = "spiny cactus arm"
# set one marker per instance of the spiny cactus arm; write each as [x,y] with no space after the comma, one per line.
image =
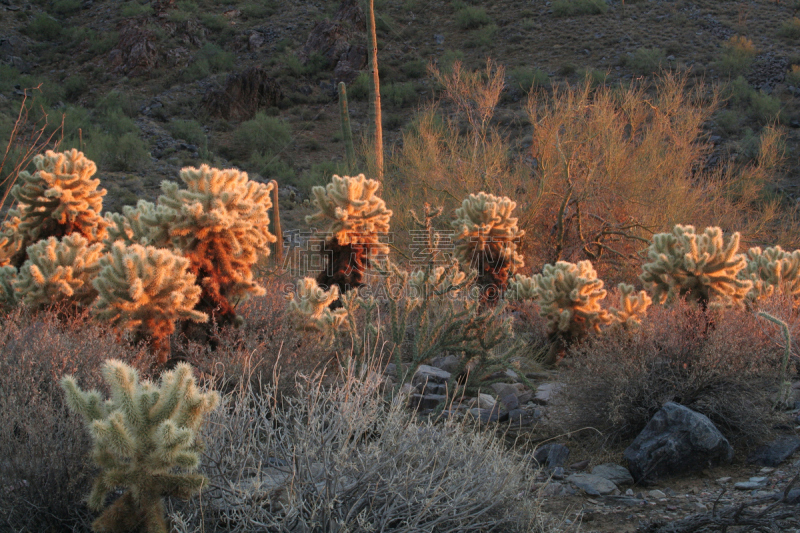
[633,307]
[87,404]
[112,433]
[522,287]
[310,308]
[173,389]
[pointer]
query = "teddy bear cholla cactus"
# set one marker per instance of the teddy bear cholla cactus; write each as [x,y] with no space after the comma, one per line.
[357,219]
[145,290]
[58,199]
[146,224]
[220,222]
[145,440]
[59,270]
[310,307]
[772,269]
[700,266]
[487,238]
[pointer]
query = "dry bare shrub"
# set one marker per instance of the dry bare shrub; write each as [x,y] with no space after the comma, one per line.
[45,466]
[723,364]
[340,458]
[267,343]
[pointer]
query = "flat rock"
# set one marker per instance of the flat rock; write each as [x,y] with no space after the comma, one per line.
[617,474]
[545,392]
[775,452]
[430,374]
[593,485]
[676,440]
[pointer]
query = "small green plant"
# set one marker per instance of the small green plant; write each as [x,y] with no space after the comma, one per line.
[262,134]
[145,440]
[400,94]
[571,8]
[702,267]
[215,23]
[471,17]
[44,28]
[790,28]
[483,36]
[793,76]
[359,89]
[74,87]
[738,55]
[144,290]
[66,7]
[647,60]
[135,9]
[416,68]
[527,79]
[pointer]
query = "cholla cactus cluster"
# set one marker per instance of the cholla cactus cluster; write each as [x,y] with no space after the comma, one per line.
[487,238]
[310,307]
[632,309]
[357,218]
[59,270]
[702,267]
[59,198]
[772,269]
[145,440]
[184,258]
[145,290]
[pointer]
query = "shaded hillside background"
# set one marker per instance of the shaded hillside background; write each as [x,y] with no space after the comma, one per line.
[145,88]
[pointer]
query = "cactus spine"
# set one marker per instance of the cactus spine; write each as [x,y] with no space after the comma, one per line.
[347,132]
[145,440]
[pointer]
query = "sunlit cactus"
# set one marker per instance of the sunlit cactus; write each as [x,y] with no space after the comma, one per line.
[357,219]
[59,271]
[521,287]
[221,224]
[701,267]
[145,290]
[59,198]
[632,309]
[487,237]
[145,441]
[310,308]
[146,224]
[771,270]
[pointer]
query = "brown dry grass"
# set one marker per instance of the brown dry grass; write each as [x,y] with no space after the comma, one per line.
[723,365]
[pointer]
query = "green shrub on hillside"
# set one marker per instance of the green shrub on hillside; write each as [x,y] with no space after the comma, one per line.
[470,17]
[527,79]
[790,28]
[647,61]
[737,56]
[262,134]
[44,28]
[571,8]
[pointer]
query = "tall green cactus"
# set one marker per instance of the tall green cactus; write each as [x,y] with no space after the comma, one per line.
[145,440]
[347,132]
[276,223]
[375,108]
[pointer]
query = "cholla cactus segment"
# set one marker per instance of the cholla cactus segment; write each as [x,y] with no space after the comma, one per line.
[483,224]
[8,295]
[436,281]
[356,215]
[569,296]
[633,307]
[145,441]
[60,198]
[221,224]
[12,242]
[146,224]
[59,270]
[522,287]
[770,270]
[145,290]
[703,266]
[310,308]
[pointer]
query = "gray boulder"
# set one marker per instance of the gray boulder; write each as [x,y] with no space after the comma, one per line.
[676,440]
[776,451]
[593,485]
[551,455]
[617,474]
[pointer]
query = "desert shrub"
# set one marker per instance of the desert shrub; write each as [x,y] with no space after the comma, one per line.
[790,28]
[399,94]
[46,450]
[471,17]
[271,167]
[647,60]
[360,88]
[75,86]
[259,10]
[737,56]
[262,134]
[415,68]
[44,28]
[570,8]
[215,23]
[354,462]
[483,36]
[66,7]
[127,152]
[210,59]
[527,79]
[727,372]
[190,131]
[764,108]
[104,43]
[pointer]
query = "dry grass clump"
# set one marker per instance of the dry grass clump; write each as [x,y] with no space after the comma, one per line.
[723,364]
[45,470]
[341,458]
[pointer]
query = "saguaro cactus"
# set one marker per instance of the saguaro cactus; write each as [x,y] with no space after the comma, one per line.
[487,238]
[145,290]
[58,199]
[702,267]
[347,132]
[145,440]
[357,218]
